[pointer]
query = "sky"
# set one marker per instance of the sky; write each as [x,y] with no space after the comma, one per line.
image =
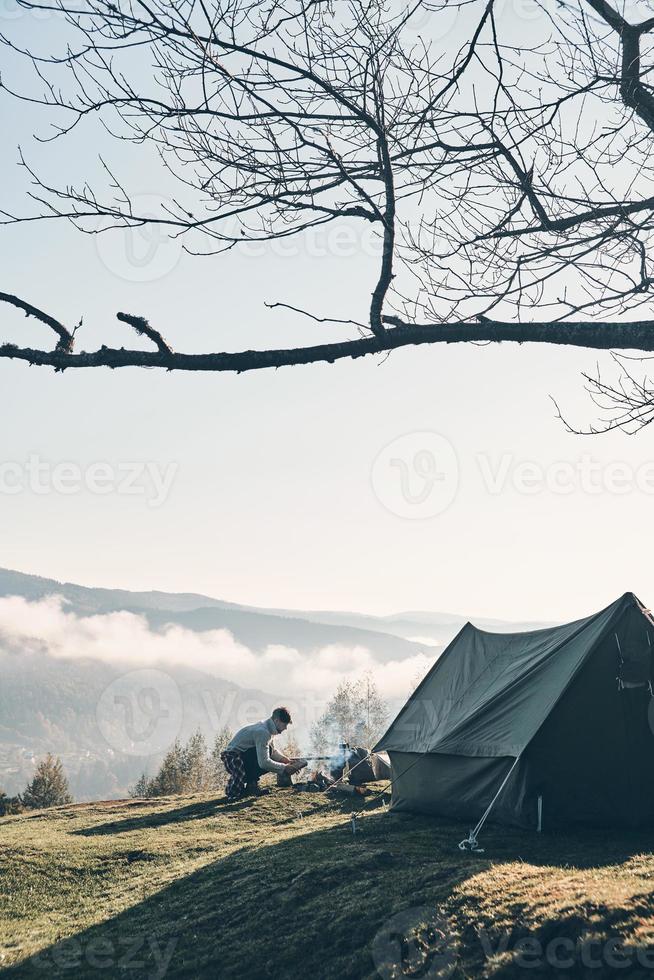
[437,478]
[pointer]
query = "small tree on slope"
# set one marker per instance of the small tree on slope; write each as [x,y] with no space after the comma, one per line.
[356,714]
[49,787]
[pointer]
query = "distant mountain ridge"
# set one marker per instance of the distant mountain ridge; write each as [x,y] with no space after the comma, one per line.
[254,628]
[257,626]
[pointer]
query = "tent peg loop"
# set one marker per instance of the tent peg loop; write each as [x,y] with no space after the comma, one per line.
[470,843]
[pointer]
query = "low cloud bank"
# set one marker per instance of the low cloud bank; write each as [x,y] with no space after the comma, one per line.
[126,639]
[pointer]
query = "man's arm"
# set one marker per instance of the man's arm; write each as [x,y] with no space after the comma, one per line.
[278,756]
[264,757]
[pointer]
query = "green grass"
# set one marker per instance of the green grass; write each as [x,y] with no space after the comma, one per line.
[279,887]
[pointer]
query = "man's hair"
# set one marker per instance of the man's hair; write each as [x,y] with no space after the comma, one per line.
[282,714]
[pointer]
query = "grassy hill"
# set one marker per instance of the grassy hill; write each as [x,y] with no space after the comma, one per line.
[279,887]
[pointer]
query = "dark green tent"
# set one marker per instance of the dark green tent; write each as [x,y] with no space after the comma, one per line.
[558,719]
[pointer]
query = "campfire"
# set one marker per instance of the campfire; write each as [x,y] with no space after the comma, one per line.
[325,775]
[316,781]
[349,789]
[334,773]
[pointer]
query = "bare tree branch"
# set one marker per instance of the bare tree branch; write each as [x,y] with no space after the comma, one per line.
[627,336]
[65,342]
[143,327]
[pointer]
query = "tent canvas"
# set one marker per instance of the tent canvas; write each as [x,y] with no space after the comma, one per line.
[571,704]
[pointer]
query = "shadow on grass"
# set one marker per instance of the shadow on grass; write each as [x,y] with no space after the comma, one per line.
[194,811]
[207,808]
[311,906]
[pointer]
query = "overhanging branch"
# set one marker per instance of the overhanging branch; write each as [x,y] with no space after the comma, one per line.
[636,335]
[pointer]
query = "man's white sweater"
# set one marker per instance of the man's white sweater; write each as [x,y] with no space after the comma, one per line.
[260,737]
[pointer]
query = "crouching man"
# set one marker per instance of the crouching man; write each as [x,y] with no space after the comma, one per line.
[251,753]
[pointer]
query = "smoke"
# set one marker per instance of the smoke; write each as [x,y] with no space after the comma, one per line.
[126,639]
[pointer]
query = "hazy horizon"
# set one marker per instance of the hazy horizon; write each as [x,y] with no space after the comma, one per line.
[248,604]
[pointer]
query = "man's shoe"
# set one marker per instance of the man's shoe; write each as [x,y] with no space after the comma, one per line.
[256,790]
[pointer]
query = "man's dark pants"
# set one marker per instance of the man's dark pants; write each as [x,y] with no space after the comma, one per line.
[253,771]
[244,772]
